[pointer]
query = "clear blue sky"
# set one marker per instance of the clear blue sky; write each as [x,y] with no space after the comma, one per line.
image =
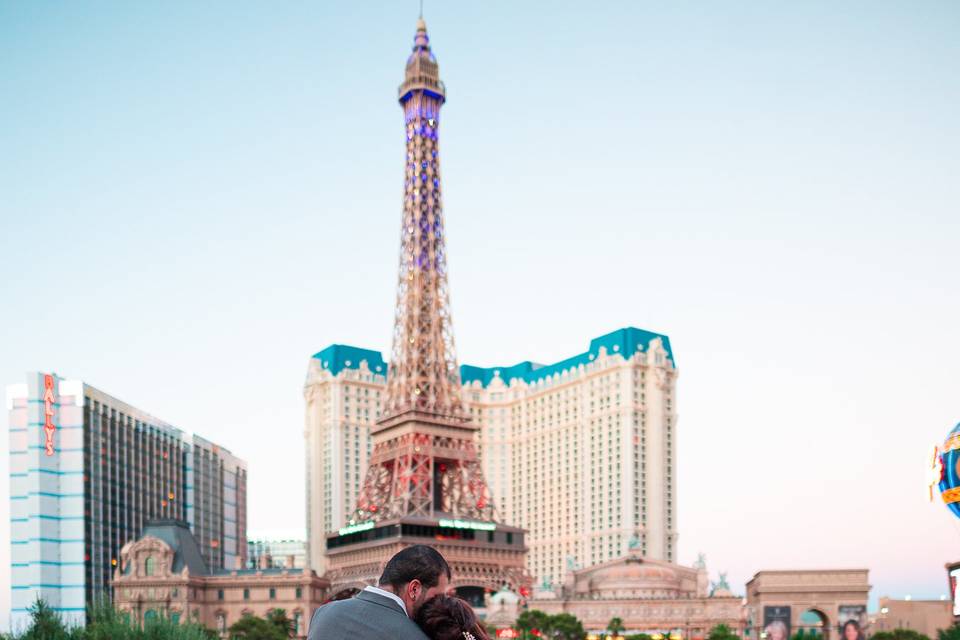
[195,197]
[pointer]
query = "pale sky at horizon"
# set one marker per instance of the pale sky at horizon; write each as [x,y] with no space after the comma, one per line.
[196,197]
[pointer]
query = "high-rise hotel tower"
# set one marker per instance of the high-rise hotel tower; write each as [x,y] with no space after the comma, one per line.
[581,453]
[86,473]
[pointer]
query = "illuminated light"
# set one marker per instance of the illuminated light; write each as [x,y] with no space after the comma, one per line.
[884,610]
[468,524]
[113,562]
[935,473]
[48,427]
[170,495]
[163,503]
[214,543]
[355,528]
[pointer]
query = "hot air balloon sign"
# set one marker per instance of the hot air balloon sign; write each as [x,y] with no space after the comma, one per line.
[944,472]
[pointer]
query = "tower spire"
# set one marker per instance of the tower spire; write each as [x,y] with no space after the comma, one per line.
[424,375]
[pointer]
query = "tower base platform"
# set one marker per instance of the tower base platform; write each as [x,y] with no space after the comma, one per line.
[483,556]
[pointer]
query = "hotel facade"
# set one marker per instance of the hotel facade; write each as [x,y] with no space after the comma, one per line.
[581,453]
[86,472]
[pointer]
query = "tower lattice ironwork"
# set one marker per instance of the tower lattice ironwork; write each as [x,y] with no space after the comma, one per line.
[424,461]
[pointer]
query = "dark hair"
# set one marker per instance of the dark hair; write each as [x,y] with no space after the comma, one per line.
[856,625]
[418,562]
[449,618]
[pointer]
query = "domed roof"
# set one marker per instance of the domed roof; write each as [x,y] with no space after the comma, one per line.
[636,574]
[633,576]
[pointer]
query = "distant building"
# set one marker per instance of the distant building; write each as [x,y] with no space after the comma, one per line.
[923,616]
[162,574]
[649,596]
[817,601]
[86,472]
[276,551]
[581,452]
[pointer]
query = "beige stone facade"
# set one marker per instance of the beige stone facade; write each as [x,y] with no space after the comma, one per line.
[925,616]
[343,397]
[819,600]
[162,574]
[649,596]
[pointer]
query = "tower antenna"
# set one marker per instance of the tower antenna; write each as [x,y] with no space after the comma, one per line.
[421,9]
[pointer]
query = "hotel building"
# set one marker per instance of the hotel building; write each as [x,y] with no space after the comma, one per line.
[276,550]
[86,472]
[582,453]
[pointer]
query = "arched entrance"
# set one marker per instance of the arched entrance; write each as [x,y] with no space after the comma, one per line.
[813,624]
[804,603]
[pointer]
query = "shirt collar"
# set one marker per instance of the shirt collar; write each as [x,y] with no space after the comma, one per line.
[387,594]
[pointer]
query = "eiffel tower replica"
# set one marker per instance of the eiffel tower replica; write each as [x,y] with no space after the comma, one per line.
[425,484]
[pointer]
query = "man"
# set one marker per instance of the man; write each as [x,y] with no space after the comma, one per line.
[411,577]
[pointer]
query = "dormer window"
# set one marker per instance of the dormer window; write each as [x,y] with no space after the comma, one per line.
[148,566]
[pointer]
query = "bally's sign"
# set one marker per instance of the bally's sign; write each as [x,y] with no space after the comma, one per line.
[48,401]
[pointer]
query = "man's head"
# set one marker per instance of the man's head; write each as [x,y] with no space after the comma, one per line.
[416,574]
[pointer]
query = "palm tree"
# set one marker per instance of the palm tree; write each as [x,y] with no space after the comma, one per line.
[279,619]
[615,626]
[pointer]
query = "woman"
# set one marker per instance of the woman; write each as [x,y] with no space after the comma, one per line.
[776,630]
[851,630]
[449,618]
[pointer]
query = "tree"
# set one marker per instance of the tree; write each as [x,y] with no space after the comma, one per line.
[640,636]
[45,624]
[565,626]
[532,621]
[950,633]
[899,634]
[722,632]
[279,619]
[615,626]
[253,628]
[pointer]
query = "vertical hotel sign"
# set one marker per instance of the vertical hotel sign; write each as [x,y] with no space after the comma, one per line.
[48,427]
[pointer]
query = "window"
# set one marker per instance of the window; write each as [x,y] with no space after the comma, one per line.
[221,623]
[148,566]
[273,593]
[219,594]
[246,594]
[299,592]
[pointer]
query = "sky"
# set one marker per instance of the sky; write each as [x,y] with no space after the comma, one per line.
[196,197]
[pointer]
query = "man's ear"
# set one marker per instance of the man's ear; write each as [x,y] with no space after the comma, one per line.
[414,589]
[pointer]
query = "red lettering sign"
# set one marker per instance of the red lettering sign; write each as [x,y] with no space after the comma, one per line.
[48,400]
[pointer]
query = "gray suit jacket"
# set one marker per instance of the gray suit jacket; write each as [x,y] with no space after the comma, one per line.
[368,616]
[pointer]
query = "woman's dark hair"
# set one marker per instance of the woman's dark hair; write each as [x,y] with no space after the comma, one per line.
[418,562]
[449,618]
[855,625]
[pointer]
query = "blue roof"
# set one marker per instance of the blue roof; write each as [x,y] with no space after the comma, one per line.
[337,357]
[624,341]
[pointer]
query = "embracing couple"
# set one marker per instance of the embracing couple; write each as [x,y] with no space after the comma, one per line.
[411,603]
